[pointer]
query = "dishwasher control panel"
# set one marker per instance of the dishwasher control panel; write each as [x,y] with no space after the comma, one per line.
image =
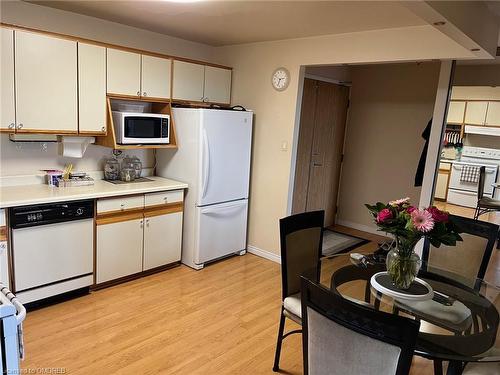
[41,214]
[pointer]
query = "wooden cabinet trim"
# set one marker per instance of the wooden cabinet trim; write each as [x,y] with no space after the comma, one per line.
[118,217]
[115,46]
[3,233]
[163,209]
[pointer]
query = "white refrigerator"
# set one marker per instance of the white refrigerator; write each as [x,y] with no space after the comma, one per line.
[213,158]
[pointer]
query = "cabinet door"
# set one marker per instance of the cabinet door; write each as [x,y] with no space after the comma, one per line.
[441,186]
[123,72]
[475,113]
[156,77]
[188,80]
[493,114]
[162,240]
[119,249]
[8,114]
[91,89]
[46,83]
[217,85]
[456,112]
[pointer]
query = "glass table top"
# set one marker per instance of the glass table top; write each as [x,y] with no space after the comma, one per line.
[460,323]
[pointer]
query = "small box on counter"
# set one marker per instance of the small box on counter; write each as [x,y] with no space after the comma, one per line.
[75,181]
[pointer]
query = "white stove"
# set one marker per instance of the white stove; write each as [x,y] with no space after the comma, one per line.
[465,193]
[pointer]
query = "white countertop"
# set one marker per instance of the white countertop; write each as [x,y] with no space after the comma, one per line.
[12,196]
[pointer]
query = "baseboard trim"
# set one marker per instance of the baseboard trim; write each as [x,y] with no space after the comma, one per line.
[264,254]
[362,227]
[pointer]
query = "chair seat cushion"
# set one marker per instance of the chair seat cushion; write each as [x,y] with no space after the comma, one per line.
[293,305]
[456,317]
[485,368]
[487,202]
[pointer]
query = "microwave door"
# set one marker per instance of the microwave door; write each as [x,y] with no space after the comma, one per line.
[143,130]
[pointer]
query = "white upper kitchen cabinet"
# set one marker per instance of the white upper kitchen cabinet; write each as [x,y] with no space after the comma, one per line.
[119,249]
[91,89]
[8,119]
[162,240]
[155,77]
[188,81]
[475,112]
[123,72]
[493,114]
[46,83]
[217,85]
[456,112]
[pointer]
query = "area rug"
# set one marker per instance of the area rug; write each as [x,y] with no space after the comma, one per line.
[336,243]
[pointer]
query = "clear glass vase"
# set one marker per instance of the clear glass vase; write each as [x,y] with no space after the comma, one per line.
[403,264]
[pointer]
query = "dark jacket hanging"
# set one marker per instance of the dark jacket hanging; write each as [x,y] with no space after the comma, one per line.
[426,134]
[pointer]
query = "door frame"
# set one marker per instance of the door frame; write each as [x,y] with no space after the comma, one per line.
[296,130]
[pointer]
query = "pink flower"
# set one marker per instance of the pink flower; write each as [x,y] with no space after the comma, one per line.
[399,202]
[411,209]
[384,215]
[438,215]
[422,220]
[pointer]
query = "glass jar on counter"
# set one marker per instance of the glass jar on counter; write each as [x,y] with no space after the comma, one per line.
[111,169]
[127,174]
[133,162]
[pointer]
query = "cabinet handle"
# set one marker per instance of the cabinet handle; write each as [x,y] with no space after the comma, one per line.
[103,129]
[142,223]
[165,199]
[11,126]
[122,206]
[144,93]
[138,93]
[20,126]
[205,99]
[147,222]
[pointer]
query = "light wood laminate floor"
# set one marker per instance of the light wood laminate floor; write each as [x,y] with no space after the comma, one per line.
[220,320]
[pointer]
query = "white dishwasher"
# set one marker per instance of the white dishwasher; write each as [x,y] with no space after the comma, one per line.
[52,249]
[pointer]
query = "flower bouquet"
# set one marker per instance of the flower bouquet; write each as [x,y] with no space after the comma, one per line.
[409,224]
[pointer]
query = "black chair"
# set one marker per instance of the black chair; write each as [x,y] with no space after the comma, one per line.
[468,260]
[343,337]
[301,238]
[484,204]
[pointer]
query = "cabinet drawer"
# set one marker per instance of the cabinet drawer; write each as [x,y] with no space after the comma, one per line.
[163,197]
[120,204]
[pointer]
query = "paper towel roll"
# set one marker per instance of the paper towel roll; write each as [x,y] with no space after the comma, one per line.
[74,147]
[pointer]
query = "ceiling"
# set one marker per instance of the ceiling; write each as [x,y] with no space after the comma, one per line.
[221,23]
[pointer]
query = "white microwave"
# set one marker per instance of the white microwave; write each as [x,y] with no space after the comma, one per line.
[141,128]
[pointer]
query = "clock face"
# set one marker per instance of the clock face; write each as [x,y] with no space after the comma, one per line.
[281,79]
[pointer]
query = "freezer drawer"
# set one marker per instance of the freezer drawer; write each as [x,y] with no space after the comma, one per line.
[221,230]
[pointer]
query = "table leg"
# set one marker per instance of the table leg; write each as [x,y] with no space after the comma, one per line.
[438,367]
[455,368]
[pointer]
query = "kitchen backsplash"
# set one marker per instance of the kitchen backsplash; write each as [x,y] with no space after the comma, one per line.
[30,158]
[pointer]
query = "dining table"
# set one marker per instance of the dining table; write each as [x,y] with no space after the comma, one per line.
[459,320]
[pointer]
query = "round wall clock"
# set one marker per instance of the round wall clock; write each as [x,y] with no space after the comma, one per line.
[280,79]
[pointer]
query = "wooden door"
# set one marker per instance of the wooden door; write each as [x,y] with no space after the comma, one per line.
[319,157]
[217,85]
[46,84]
[493,114]
[119,249]
[8,119]
[123,73]
[155,77]
[91,89]
[162,240]
[188,81]
[475,113]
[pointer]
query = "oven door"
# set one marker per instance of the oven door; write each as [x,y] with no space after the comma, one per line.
[145,130]
[456,184]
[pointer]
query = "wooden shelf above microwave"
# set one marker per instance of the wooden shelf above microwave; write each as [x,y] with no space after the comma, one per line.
[157,106]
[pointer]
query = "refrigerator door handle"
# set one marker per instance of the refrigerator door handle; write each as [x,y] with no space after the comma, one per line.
[206,163]
[223,210]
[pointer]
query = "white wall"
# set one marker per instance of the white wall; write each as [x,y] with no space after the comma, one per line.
[28,158]
[275,112]
[391,105]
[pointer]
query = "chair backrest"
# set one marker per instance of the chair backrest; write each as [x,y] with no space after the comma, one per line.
[301,238]
[480,184]
[468,260]
[343,337]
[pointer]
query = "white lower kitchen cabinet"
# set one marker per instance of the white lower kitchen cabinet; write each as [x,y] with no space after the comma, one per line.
[162,240]
[119,249]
